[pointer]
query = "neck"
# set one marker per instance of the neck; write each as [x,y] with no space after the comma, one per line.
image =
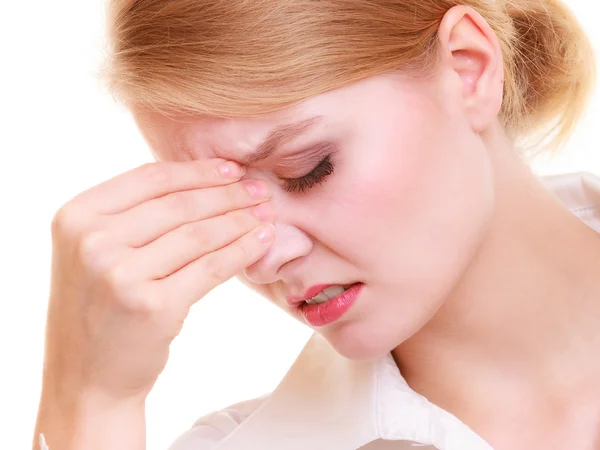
[525,317]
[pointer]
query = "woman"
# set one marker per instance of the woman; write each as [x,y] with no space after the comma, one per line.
[374,187]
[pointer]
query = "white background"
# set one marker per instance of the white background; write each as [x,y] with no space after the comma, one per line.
[60,133]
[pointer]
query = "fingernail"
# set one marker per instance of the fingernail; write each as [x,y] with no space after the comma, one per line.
[265,233]
[231,169]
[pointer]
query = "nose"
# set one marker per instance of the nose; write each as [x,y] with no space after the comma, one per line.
[290,245]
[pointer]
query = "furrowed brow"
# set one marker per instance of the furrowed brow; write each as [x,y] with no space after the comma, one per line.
[278,137]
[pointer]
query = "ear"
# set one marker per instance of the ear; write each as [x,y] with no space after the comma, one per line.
[471,49]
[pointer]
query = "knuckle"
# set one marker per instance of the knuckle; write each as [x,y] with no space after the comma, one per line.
[216,270]
[220,266]
[208,169]
[142,301]
[180,205]
[197,232]
[246,250]
[242,221]
[92,247]
[136,299]
[66,221]
[236,194]
[157,173]
[117,279]
[243,251]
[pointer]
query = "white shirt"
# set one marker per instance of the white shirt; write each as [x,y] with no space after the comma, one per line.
[328,402]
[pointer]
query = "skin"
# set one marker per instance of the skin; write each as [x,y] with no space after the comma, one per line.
[463,274]
[453,236]
[428,244]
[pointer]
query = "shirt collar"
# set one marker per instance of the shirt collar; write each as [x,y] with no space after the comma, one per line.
[580,192]
[329,402]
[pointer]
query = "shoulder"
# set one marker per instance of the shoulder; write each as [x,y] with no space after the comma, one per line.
[212,428]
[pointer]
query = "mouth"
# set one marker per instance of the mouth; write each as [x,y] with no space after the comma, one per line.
[318,294]
[321,313]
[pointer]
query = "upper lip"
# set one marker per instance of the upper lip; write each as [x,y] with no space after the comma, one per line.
[295,300]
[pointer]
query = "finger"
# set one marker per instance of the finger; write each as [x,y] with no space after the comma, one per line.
[154,180]
[145,223]
[195,280]
[191,241]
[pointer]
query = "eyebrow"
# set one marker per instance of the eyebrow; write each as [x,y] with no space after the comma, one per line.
[277,137]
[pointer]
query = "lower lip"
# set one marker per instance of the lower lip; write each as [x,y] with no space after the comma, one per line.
[325,313]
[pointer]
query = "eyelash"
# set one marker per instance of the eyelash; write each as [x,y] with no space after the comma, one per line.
[317,175]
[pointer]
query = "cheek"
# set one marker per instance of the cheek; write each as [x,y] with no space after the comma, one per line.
[420,213]
[381,165]
[394,159]
[421,204]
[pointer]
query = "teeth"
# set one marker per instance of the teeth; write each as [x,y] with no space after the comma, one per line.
[331,292]
[327,294]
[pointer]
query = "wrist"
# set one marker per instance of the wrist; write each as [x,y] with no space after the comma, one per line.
[90,420]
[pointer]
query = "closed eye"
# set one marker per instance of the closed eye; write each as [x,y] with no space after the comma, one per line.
[316,176]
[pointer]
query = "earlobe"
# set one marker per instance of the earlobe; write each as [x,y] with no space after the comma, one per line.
[470,48]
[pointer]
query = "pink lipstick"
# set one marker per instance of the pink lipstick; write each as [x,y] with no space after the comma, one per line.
[322,314]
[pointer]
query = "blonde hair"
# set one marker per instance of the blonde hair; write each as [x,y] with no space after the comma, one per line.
[228,58]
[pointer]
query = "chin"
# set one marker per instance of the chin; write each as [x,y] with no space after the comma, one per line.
[358,341]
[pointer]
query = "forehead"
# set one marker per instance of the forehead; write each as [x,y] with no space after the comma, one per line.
[185,137]
[182,138]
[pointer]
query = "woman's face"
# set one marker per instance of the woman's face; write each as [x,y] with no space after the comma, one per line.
[402,212]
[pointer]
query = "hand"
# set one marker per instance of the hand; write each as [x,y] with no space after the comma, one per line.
[130,256]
